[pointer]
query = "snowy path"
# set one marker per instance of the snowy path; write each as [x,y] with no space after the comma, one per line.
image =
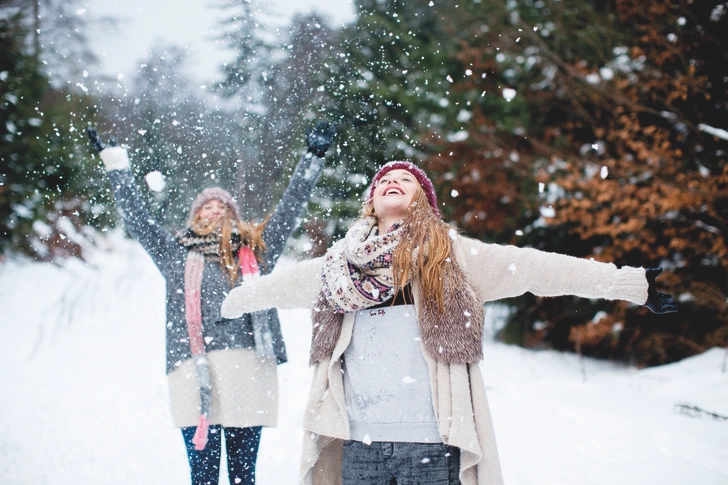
[84,398]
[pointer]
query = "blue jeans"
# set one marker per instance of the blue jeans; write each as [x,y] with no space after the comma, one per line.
[387,463]
[241,447]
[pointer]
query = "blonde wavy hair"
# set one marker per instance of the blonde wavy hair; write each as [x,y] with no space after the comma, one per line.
[423,234]
[251,235]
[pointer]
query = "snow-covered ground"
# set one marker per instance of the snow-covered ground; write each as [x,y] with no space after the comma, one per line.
[84,397]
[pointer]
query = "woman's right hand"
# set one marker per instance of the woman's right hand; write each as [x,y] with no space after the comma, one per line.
[113,156]
[320,137]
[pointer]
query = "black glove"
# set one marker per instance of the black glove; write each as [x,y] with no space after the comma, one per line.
[96,142]
[320,137]
[657,301]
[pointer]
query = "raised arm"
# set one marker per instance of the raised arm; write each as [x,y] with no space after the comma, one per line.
[141,225]
[507,271]
[285,217]
[293,287]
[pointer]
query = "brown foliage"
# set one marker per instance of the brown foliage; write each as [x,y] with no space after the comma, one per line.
[487,177]
[640,182]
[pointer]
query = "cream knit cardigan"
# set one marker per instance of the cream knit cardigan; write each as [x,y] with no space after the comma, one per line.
[458,392]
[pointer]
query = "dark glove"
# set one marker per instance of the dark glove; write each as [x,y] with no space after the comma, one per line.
[96,141]
[657,301]
[320,137]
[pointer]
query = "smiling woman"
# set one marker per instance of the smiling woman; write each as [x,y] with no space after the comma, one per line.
[392,196]
[221,373]
[393,189]
[397,310]
[212,210]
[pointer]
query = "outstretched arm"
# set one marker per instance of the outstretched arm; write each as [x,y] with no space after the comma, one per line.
[285,217]
[294,287]
[508,271]
[150,234]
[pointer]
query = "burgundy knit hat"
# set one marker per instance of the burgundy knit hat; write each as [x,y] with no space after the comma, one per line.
[209,194]
[417,172]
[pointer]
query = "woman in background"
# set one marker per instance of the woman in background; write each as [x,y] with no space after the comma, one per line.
[221,372]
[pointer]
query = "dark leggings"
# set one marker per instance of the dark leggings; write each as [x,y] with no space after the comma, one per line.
[241,447]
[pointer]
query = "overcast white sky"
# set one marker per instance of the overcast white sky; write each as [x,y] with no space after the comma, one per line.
[190,23]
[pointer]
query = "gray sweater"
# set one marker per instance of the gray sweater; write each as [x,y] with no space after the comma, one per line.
[397,404]
[219,333]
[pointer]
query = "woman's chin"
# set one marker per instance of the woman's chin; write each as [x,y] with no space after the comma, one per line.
[391,207]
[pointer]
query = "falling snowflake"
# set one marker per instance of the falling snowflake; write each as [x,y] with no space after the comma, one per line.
[509,94]
[155,181]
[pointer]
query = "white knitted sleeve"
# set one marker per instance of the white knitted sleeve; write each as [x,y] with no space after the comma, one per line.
[506,271]
[293,287]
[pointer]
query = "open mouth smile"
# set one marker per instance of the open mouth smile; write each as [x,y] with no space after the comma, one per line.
[393,191]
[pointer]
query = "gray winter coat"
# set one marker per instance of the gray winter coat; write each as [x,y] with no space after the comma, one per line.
[170,257]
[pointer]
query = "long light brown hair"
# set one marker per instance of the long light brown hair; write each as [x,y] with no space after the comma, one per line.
[251,235]
[424,234]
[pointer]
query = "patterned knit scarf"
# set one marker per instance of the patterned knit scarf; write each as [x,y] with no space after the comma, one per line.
[357,274]
[201,248]
[208,244]
[358,269]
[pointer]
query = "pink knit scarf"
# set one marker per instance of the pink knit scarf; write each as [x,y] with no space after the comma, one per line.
[194,267]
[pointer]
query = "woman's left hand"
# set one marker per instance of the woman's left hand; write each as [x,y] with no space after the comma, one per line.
[658,301]
[320,137]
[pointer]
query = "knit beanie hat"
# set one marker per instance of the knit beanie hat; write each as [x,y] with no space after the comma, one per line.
[209,194]
[417,172]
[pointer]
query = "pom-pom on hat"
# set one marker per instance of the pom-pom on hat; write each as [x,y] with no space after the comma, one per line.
[417,172]
[209,194]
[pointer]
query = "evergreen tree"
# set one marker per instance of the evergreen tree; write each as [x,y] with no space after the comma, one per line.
[242,82]
[296,102]
[290,88]
[241,34]
[273,91]
[43,180]
[388,86]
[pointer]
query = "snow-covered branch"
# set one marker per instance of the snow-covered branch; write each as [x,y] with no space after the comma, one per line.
[720,133]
